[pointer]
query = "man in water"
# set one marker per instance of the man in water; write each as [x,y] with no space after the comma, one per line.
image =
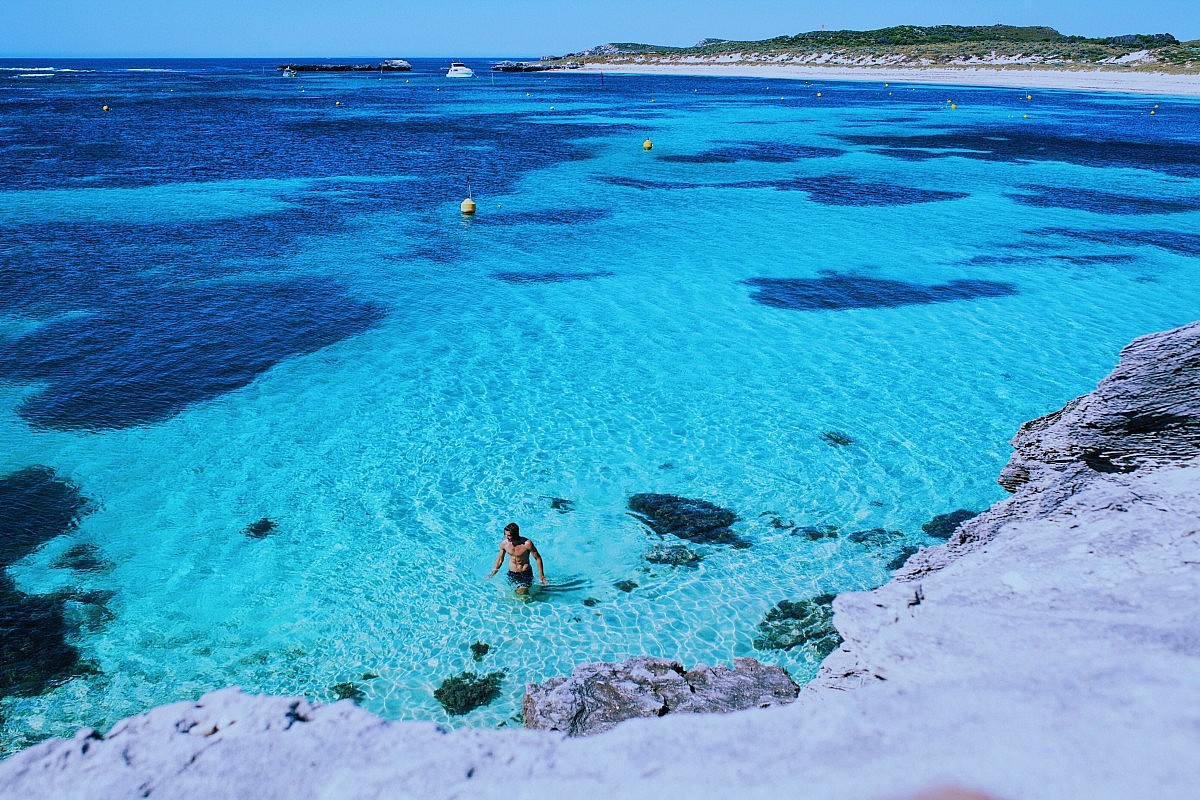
[519,549]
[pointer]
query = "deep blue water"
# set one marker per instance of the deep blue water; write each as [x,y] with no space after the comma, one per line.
[236,297]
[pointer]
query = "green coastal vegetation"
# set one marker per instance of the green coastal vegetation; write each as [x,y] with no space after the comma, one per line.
[937,45]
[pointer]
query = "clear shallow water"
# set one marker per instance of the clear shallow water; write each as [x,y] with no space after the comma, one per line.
[229,298]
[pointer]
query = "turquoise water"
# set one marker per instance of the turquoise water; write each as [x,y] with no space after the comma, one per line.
[282,314]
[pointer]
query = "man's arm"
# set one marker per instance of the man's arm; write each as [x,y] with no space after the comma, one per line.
[533,551]
[499,561]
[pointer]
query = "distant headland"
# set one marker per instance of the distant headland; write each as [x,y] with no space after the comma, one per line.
[913,46]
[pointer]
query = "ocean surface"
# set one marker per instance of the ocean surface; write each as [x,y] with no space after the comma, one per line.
[267,398]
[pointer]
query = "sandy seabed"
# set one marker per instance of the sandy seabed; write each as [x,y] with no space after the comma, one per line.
[1156,83]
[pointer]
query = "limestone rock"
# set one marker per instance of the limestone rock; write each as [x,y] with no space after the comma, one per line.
[596,697]
[1145,413]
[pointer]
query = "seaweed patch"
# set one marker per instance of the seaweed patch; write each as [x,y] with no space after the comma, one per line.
[841,292]
[148,359]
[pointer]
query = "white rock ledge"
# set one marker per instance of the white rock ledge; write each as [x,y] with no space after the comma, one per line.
[1051,649]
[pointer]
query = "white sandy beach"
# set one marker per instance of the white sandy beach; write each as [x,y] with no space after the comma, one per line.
[1155,83]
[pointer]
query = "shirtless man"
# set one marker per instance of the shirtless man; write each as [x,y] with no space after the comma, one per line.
[519,549]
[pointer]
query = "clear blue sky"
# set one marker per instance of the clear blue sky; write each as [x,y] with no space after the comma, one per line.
[464,28]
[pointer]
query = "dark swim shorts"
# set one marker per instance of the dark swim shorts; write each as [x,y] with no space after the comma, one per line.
[521,578]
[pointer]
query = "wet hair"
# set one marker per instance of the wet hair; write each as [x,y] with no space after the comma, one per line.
[512,528]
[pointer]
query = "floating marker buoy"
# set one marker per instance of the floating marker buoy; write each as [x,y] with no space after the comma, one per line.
[1028,97]
[467,206]
[889,94]
[647,145]
[1152,113]
[1025,117]
[954,105]
[104,108]
[651,99]
[818,94]
[337,102]
[1156,105]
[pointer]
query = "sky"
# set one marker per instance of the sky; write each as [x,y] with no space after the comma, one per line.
[465,28]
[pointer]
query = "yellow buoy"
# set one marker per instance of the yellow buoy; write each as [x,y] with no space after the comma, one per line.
[818,94]
[1152,113]
[1156,105]
[651,99]
[1025,117]
[337,102]
[954,105]
[104,108]
[885,86]
[467,206]
[647,145]
[1028,97]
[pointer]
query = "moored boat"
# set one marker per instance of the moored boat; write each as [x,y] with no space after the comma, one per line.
[459,70]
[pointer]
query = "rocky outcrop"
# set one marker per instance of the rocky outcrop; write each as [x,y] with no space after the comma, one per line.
[1146,413]
[598,696]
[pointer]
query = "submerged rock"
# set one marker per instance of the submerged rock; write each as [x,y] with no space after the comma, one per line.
[815,532]
[943,525]
[479,650]
[807,624]
[901,557]
[83,558]
[837,439]
[625,585]
[467,691]
[596,697]
[877,538]
[348,691]
[695,520]
[260,529]
[674,555]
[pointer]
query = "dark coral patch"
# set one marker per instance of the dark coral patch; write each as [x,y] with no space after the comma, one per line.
[1018,146]
[841,190]
[1184,244]
[35,506]
[549,277]
[83,558]
[695,520]
[642,183]
[467,691]
[841,292]
[146,360]
[35,655]
[1101,202]
[763,152]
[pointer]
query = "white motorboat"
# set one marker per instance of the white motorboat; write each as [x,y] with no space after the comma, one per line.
[458,70]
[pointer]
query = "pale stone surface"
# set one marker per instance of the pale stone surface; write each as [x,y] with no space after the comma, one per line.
[598,696]
[1051,649]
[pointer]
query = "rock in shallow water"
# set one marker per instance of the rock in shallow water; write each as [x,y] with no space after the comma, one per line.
[806,623]
[943,526]
[674,555]
[596,697]
[695,520]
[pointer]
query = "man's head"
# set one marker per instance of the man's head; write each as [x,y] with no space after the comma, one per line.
[512,532]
